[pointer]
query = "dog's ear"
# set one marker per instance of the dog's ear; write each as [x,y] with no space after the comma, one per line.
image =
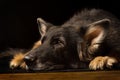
[43,26]
[94,35]
[97,31]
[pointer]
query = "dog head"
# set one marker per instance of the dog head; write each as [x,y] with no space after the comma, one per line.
[64,47]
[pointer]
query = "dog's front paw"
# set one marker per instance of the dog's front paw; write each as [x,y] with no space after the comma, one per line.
[102,62]
[93,48]
[18,61]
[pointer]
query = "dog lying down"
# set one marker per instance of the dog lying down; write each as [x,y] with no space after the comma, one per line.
[91,38]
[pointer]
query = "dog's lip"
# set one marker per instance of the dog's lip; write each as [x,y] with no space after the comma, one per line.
[44,67]
[36,67]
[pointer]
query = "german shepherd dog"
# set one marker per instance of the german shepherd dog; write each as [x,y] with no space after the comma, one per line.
[91,37]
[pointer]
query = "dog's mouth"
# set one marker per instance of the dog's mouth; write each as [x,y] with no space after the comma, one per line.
[44,67]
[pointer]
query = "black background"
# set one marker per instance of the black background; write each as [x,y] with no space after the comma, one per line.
[18,27]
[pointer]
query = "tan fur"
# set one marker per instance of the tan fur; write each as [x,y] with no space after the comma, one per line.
[95,36]
[18,61]
[37,44]
[99,62]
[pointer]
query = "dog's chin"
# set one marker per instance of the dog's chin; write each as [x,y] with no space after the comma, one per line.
[43,67]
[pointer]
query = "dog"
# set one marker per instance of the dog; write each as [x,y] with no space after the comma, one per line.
[90,38]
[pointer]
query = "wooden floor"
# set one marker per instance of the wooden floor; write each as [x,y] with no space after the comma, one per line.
[87,75]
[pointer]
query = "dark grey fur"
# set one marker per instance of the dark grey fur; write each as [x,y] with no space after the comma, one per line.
[61,45]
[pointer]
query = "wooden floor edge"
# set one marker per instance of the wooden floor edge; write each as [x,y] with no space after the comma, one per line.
[91,75]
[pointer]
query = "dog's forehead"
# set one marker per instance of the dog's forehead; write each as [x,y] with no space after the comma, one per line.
[55,31]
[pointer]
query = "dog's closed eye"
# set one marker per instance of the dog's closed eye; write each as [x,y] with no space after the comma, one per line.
[58,42]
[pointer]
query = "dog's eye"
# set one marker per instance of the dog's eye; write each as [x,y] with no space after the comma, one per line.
[56,41]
